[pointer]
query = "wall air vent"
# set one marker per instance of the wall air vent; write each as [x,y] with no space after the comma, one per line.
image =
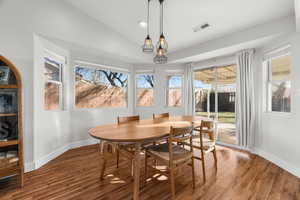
[201,27]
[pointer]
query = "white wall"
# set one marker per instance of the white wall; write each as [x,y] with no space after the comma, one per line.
[160,86]
[50,128]
[57,131]
[51,133]
[96,117]
[278,137]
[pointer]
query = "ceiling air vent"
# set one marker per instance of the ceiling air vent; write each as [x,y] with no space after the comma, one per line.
[201,27]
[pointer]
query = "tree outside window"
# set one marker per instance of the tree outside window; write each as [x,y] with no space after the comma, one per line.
[145,90]
[100,88]
[174,90]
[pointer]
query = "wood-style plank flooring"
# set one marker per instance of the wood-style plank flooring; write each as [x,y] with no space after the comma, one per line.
[75,175]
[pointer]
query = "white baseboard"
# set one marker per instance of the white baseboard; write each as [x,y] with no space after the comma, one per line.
[30,166]
[233,146]
[82,143]
[45,159]
[279,162]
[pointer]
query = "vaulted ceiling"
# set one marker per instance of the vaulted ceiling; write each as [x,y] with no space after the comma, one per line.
[225,17]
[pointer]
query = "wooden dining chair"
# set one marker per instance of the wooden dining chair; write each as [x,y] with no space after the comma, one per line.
[205,140]
[159,116]
[128,119]
[173,155]
[127,149]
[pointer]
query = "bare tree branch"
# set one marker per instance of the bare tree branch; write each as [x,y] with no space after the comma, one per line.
[149,79]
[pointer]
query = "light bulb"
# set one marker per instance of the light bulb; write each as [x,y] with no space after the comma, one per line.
[162,43]
[148,46]
[160,51]
[148,41]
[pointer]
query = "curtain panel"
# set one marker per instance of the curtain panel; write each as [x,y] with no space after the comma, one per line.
[245,105]
[189,90]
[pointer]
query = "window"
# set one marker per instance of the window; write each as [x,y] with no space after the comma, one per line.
[145,90]
[174,90]
[53,83]
[279,84]
[99,88]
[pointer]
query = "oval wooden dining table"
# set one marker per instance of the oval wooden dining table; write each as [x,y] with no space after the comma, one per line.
[138,133]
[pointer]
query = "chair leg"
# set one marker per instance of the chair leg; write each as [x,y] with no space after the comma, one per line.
[215,158]
[203,165]
[118,157]
[109,148]
[193,173]
[172,183]
[132,167]
[146,168]
[102,160]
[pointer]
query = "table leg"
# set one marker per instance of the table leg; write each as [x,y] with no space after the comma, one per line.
[102,159]
[137,167]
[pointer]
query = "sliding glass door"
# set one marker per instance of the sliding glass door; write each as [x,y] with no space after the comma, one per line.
[204,83]
[215,89]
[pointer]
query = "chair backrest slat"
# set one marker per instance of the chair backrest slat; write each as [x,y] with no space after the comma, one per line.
[180,139]
[208,127]
[124,120]
[180,131]
[159,116]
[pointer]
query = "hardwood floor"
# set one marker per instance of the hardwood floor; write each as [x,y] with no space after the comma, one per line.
[75,175]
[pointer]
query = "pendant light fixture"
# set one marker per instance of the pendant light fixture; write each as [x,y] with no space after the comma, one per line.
[148,46]
[162,45]
[162,40]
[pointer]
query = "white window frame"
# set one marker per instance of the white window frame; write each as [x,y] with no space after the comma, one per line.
[136,88]
[168,88]
[267,63]
[62,61]
[93,66]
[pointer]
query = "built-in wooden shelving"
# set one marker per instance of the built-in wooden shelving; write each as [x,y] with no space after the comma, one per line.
[8,143]
[8,86]
[8,114]
[11,138]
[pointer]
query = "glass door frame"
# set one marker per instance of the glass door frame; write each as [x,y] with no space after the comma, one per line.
[215,86]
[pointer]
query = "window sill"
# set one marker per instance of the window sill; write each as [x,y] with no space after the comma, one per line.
[279,114]
[56,110]
[145,107]
[174,107]
[99,109]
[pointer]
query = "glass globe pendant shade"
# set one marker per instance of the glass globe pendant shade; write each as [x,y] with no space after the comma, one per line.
[148,46]
[163,43]
[160,57]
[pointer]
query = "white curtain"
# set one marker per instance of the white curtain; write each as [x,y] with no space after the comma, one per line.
[245,99]
[189,90]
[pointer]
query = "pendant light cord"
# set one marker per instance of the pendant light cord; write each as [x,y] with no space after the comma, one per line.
[161,16]
[148,15]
